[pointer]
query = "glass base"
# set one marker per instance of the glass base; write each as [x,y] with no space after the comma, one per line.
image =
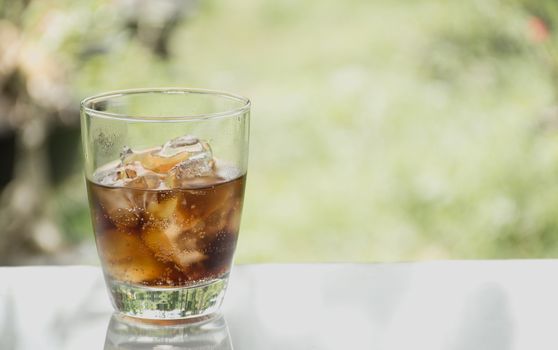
[168,303]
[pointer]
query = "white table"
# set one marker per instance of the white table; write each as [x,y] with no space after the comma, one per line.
[496,305]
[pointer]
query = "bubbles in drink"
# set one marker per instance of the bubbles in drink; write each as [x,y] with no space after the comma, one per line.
[167,216]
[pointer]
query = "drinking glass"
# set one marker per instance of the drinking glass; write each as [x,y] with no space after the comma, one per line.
[165,171]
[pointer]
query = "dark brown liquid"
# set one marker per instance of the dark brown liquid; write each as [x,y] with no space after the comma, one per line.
[170,237]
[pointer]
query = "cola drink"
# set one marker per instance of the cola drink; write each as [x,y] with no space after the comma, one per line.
[166,216]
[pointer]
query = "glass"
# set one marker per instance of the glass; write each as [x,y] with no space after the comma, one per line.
[165,172]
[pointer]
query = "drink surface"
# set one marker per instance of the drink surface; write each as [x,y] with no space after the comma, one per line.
[166,217]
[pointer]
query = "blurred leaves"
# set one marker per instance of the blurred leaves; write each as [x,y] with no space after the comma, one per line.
[381,130]
[44,48]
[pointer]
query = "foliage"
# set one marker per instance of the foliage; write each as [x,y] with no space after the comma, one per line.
[384,130]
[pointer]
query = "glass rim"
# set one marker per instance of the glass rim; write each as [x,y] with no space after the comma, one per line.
[244,107]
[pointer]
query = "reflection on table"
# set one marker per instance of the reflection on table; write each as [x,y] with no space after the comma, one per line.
[124,333]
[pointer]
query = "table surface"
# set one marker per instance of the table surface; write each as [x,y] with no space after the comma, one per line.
[496,305]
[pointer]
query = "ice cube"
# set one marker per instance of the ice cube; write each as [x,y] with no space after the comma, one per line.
[173,152]
[190,257]
[121,199]
[172,243]
[136,176]
[128,156]
[159,241]
[155,162]
[210,201]
[187,143]
[185,157]
[198,160]
[120,206]
[233,224]
[196,166]
[172,235]
[149,159]
[152,159]
[132,175]
[127,259]
[107,175]
[164,208]
[217,220]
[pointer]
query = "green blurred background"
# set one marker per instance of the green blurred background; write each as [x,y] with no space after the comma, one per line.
[381,130]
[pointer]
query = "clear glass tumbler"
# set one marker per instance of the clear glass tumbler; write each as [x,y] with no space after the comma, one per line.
[165,171]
